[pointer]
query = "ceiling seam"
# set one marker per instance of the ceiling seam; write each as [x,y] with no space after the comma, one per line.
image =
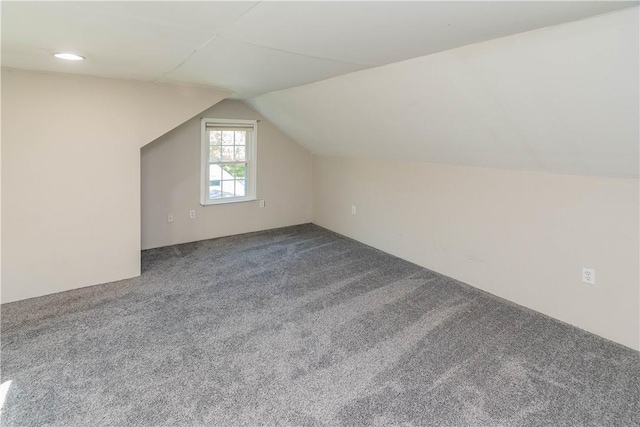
[216,35]
[300,54]
[219,35]
[187,58]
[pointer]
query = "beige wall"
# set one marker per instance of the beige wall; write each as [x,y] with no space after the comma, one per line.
[71,175]
[523,236]
[171,184]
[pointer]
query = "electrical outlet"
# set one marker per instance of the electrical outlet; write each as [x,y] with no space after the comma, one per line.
[170,217]
[589,275]
[262,203]
[192,213]
[353,210]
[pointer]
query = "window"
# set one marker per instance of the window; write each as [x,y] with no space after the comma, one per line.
[228,172]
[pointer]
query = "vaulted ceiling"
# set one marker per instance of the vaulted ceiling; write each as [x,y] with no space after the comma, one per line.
[256,47]
[489,84]
[563,99]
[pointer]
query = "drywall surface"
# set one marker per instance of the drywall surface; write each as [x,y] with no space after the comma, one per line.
[71,175]
[524,236]
[560,99]
[171,184]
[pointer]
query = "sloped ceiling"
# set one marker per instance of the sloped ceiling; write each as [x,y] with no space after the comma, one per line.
[251,47]
[562,99]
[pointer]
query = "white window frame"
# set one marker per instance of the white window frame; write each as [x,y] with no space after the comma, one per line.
[251,161]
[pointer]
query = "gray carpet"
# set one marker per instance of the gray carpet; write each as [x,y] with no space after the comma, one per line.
[300,326]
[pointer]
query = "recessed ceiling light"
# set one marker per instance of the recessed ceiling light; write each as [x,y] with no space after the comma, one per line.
[69,56]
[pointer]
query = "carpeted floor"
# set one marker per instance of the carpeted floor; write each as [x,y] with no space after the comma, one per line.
[300,326]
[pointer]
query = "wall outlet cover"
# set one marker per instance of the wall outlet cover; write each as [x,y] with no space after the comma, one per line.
[588,275]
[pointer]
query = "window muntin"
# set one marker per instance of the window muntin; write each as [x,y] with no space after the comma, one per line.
[228,160]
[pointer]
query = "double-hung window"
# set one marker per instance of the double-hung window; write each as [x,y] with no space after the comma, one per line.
[229,149]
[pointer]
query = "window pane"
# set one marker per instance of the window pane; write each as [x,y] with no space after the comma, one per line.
[240,188]
[214,189]
[225,174]
[240,153]
[215,153]
[228,188]
[235,170]
[215,172]
[215,137]
[227,137]
[227,153]
[240,137]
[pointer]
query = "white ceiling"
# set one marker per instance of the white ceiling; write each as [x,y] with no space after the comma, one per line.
[564,99]
[253,48]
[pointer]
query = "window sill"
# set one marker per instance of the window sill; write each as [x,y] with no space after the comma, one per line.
[230,200]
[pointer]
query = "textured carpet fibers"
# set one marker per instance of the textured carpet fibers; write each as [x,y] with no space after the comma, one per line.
[300,326]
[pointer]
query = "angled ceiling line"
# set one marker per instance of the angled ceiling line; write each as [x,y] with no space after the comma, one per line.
[206,43]
[304,55]
[275,49]
[245,13]
[193,52]
[222,35]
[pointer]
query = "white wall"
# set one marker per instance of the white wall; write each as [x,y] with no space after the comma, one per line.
[71,175]
[560,99]
[523,236]
[171,184]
